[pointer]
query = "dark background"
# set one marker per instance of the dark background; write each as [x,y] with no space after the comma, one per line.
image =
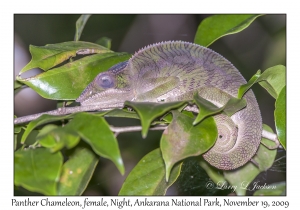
[260,46]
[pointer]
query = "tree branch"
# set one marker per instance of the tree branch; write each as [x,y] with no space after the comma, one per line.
[270,136]
[118,130]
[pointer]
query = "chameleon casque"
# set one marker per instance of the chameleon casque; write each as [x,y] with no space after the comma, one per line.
[173,71]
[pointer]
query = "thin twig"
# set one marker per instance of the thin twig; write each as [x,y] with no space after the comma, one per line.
[270,136]
[118,130]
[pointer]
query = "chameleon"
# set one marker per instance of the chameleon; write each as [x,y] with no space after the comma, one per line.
[172,71]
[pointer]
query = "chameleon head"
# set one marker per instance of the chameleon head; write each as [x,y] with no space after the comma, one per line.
[111,87]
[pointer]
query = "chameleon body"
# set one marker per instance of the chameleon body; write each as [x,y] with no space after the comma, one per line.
[174,70]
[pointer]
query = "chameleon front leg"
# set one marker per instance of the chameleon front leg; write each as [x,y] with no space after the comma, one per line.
[152,89]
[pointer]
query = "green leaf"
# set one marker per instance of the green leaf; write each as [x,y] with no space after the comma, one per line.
[17,134]
[95,131]
[244,88]
[121,113]
[17,84]
[56,138]
[187,113]
[181,139]
[168,117]
[38,170]
[46,129]
[46,57]
[148,176]
[206,108]
[77,172]
[118,113]
[217,26]
[46,142]
[280,116]
[31,139]
[276,189]
[15,141]
[68,81]
[148,111]
[40,121]
[105,42]
[273,79]
[244,175]
[234,105]
[80,23]
[17,128]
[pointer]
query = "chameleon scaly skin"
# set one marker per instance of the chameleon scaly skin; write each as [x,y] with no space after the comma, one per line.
[172,71]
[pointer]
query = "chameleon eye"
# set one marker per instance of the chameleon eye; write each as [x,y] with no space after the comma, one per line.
[105,81]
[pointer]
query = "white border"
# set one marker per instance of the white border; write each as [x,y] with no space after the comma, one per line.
[154,6]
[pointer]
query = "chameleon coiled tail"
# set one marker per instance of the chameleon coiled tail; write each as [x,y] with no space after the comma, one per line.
[238,136]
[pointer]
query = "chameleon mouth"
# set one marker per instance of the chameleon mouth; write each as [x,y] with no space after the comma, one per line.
[107,97]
